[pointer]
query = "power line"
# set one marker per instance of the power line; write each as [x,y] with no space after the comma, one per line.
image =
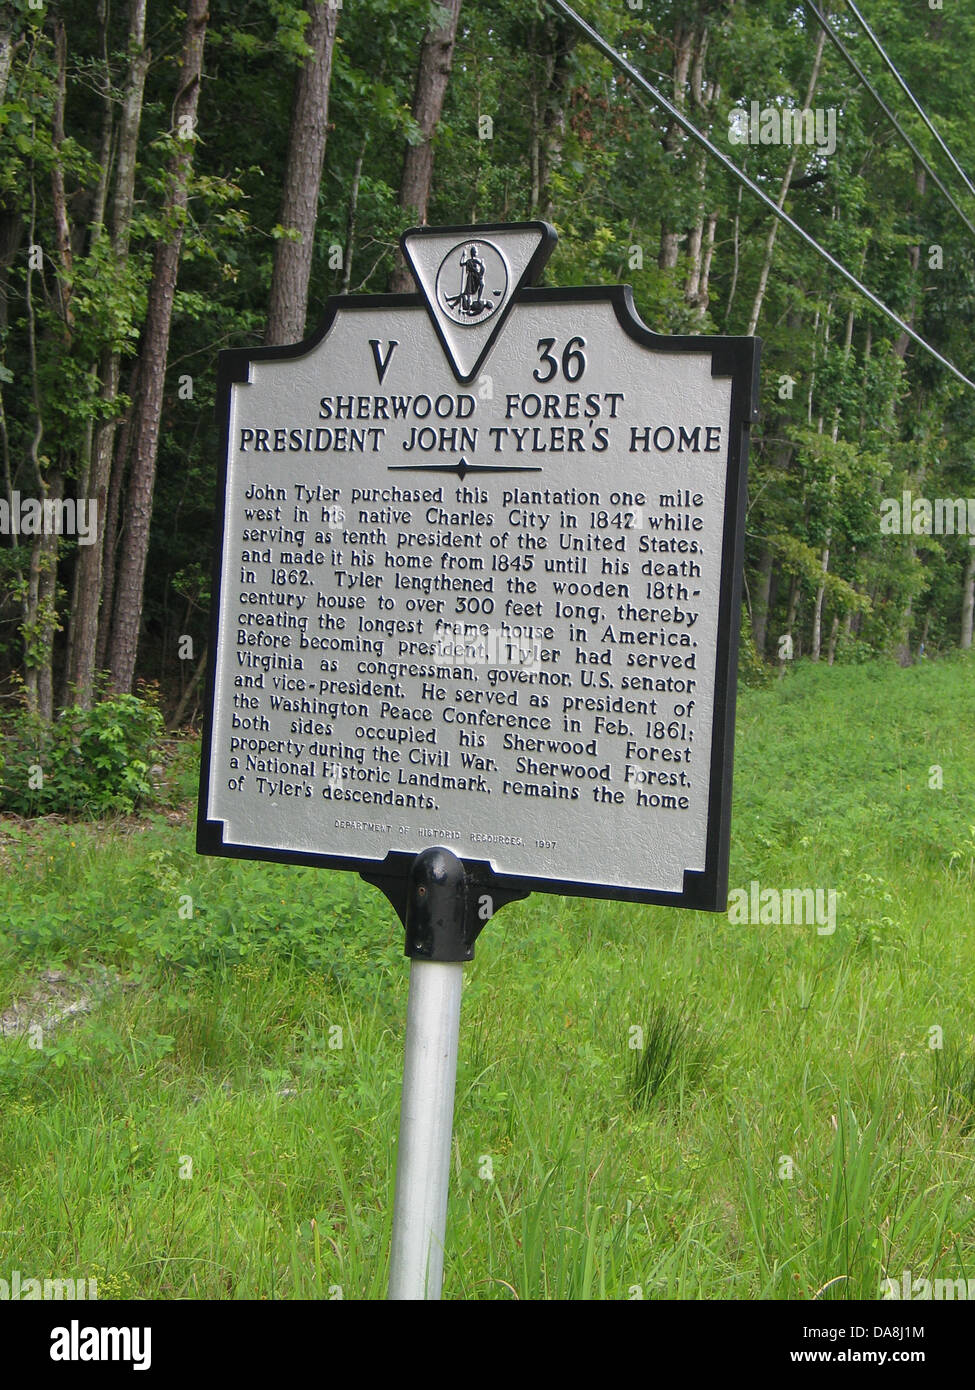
[596,39]
[917,105]
[854,65]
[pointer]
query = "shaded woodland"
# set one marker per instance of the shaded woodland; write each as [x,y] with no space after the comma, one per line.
[176,179]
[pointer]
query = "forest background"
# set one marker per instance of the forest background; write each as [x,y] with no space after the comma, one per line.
[175,180]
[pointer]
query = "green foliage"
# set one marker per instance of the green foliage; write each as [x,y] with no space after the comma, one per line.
[92,761]
[752,670]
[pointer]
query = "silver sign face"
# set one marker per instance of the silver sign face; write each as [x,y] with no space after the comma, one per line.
[494,609]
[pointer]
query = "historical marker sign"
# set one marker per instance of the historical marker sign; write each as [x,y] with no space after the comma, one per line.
[478,585]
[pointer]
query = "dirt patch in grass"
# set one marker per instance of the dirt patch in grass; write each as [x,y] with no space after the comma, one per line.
[54,1000]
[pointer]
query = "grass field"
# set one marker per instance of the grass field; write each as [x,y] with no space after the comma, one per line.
[221,1122]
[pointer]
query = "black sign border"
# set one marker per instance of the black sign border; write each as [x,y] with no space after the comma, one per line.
[703,890]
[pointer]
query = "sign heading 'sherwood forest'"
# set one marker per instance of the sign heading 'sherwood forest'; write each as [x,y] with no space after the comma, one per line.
[478,585]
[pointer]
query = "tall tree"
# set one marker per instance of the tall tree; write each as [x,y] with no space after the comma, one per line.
[48,328]
[302,179]
[550,83]
[91,561]
[432,76]
[155,349]
[783,194]
[968,602]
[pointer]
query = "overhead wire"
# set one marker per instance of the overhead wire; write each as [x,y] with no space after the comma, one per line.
[917,105]
[596,39]
[861,75]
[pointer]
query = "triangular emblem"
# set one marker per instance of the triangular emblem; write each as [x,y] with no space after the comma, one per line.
[469,278]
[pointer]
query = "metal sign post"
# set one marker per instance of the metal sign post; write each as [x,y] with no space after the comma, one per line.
[476,605]
[443,905]
[436,943]
[425,1130]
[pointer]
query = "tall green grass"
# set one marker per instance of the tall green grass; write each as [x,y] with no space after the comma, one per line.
[785,1130]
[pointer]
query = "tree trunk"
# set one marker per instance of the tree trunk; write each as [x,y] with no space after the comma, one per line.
[914,255]
[695,241]
[968,602]
[433,74]
[760,611]
[551,132]
[704,292]
[62,228]
[673,136]
[46,549]
[104,84]
[89,571]
[34,627]
[116,483]
[817,626]
[700,245]
[903,648]
[735,258]
[820,592]
[790,622]
[187,695]
[302,180]
[535,154]
[162,289]
[8,48]
[352,220]
[783,194]
[833,634]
